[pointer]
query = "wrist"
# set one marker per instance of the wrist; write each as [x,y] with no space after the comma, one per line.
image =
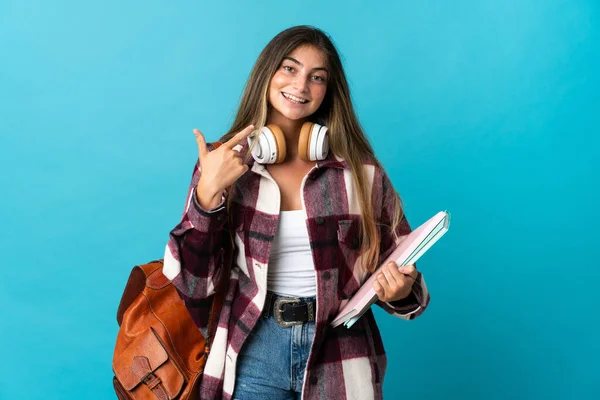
[208,197]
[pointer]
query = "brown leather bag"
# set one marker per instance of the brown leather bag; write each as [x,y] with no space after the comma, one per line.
[160,352]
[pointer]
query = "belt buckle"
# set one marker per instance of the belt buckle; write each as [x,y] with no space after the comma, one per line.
[278,314]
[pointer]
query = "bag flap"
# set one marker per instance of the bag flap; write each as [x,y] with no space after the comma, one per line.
[135,284]
[145,346]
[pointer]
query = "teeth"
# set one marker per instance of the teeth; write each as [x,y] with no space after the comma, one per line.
[295,99]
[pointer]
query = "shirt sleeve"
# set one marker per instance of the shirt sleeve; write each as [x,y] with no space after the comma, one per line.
[196,246]
[415,303]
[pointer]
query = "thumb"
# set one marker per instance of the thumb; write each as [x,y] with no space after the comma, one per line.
[408,270]
[202,150]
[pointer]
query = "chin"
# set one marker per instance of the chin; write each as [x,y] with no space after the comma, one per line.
[293,115]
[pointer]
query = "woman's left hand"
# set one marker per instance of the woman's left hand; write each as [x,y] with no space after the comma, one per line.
[393,282]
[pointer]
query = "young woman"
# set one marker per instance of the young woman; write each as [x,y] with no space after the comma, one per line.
[304,225]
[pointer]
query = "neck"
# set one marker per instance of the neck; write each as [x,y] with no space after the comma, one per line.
[291,131]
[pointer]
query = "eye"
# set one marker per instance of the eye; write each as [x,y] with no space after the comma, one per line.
[288,68]
[318,78]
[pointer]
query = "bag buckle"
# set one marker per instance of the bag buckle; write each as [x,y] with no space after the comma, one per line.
[151,380]
[278,312]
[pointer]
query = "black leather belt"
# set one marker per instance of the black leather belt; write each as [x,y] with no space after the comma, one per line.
[289,311]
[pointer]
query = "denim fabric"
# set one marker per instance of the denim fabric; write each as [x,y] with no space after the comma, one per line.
[271,363]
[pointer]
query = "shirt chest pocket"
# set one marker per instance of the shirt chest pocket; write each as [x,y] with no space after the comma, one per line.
[350,269]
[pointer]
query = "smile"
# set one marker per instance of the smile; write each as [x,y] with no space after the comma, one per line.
[294,99]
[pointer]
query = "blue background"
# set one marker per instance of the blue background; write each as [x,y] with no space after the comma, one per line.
[492,110]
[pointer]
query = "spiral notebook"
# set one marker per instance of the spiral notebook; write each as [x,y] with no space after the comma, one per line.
[407,253]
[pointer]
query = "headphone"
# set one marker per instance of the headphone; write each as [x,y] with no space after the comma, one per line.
[313,143]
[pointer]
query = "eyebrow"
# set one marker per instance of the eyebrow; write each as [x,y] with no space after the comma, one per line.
[299,63]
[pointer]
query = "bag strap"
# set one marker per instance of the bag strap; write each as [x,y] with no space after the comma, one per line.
[141,367]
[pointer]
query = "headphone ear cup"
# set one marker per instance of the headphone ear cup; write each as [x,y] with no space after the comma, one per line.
[270,148]
[280,147]
[313,143]
[304,141]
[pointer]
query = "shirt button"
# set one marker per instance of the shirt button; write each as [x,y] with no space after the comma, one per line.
[313,380]
[326,275]
[320,220]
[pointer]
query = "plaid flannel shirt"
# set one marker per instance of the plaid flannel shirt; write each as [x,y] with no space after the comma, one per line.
[343,363]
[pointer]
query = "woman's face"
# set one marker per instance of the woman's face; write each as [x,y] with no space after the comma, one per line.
[298,87]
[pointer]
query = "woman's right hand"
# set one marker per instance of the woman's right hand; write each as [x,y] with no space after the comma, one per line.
[219,168]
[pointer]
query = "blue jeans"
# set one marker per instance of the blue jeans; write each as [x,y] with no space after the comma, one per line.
[272,361]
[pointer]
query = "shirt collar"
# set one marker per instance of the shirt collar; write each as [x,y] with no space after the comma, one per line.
[333,161]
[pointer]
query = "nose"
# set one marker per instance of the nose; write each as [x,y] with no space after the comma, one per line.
[301,83]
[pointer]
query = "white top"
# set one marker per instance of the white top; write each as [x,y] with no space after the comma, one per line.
[291,268]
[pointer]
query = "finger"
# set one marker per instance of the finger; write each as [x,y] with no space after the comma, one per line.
[244,133]
[202,150]
[398,275]
[409,270]
[388,273]
[239,165]
[385,286]
[239,162]
[378,289]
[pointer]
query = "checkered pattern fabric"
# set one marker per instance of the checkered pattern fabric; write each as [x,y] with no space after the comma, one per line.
[343,363]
